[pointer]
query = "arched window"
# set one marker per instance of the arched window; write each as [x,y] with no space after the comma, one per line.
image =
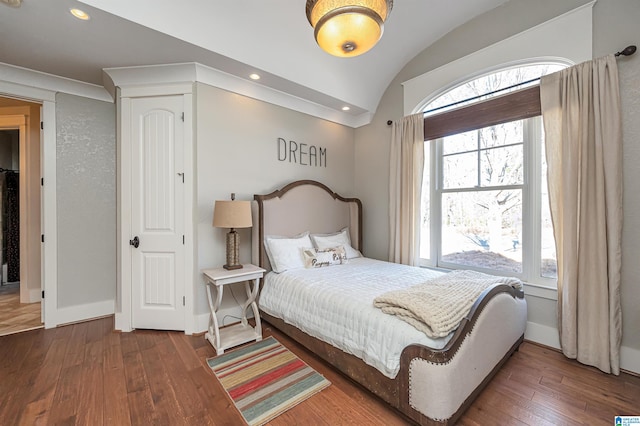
[485,202]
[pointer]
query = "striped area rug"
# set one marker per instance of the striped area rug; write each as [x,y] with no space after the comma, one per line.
[265,379]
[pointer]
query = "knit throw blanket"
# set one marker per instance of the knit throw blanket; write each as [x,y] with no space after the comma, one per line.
[437,306]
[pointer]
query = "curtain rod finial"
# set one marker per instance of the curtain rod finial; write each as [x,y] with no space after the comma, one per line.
[627,51]
[389,122]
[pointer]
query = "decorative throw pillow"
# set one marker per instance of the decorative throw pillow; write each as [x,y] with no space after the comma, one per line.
[342,238]
[284,252]
[317,258]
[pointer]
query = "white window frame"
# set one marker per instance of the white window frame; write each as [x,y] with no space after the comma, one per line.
[531,209]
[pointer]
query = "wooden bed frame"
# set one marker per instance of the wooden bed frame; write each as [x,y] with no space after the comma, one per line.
[432,386]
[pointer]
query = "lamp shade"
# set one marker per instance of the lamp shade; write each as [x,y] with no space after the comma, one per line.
[348,27]
[232,214]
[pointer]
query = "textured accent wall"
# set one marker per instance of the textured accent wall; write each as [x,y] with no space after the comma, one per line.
[86,200]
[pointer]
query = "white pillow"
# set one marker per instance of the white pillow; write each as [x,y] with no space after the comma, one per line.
[342,238]
[317,258]
[285,252]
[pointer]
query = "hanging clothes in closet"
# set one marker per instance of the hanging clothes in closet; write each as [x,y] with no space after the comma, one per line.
[12,226]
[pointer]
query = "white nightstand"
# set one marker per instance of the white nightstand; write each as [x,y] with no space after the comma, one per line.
[241,332]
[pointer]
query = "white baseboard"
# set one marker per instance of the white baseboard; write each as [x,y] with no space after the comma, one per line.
[35,295]
[548,336]
[630,359]
[122,322]
[201,323]
[84,312]
[542,334]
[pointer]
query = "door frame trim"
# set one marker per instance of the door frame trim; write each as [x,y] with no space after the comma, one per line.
[123,311]
[49,272]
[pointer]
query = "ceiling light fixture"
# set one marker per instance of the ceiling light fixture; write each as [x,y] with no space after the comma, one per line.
[348,28]
[12,3]
[80,14]
[345,108]
[254,76]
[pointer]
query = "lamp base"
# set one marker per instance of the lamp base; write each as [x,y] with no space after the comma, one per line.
[233,243]
[232,267]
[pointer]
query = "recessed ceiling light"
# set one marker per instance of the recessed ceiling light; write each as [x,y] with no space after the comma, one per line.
[254,76]
[345,108]
[80,14]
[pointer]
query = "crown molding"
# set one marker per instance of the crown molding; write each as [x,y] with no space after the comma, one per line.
[43,84]
[192,72]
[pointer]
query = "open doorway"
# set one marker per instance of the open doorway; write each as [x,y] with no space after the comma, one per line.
[20,213]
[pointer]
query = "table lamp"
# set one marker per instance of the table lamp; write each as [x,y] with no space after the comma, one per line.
[232,214]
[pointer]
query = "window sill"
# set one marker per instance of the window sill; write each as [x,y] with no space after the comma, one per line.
[542,291]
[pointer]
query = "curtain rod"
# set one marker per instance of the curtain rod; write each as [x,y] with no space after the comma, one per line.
[627,51]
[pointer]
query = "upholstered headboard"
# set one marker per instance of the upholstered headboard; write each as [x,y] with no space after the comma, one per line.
[303,205]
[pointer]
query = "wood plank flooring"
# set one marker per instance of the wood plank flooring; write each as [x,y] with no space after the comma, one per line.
[87,374]
[16,316]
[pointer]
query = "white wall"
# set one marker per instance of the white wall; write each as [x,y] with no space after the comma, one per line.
[237,151]
[614,27]
[86,205]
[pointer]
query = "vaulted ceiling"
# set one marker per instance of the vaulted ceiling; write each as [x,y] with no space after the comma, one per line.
[238,37]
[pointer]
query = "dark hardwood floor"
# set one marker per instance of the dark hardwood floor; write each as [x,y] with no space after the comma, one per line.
[86,374]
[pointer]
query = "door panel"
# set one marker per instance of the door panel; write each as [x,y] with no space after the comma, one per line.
[157,213]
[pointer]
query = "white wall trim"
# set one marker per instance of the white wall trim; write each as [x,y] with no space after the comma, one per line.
[201,323]
[25,92]
[548,336]
[542,334]
[190,179]
[83,312]
[140,76]
[630,359]
[49,216]
[48,82]
[156,90]
[543,292]
[123,199]
[566,38]
[35,295]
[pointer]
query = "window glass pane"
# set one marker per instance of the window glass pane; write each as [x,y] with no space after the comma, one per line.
[501,134]
[502,166]
[479,230]
[462,142]
[460,170]
[483,86]
[548,265]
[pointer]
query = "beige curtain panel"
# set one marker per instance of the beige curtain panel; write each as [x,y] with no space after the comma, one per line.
[583,131]
[405,186]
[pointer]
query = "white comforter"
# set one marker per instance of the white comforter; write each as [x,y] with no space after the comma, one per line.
[335,304]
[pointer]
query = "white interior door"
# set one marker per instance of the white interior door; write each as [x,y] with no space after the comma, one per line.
[157,213]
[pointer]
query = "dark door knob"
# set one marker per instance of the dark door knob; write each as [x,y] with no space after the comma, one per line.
[135,242]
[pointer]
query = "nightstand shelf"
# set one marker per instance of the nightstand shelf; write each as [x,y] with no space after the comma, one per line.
[242,332]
